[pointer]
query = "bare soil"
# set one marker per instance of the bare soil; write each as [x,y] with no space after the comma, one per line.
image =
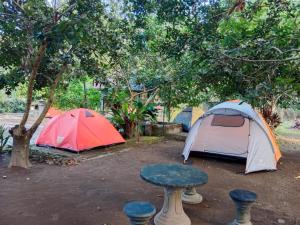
[94,192]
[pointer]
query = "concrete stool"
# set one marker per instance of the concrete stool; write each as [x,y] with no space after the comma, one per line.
[243,201]
[139,213]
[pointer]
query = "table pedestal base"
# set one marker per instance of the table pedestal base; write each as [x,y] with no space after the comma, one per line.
[190,196]
[243,215]
[172,212]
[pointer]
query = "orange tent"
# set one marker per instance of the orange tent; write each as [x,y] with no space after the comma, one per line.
[53,112]
[79,130]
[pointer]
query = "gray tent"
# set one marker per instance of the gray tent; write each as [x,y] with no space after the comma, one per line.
[235,129]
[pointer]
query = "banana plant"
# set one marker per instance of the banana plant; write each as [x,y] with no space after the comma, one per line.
[129,110]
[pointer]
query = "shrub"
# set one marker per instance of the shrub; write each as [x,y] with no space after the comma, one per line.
[272,118]
[3,137]
[129,110]
[72,95]
[13,105]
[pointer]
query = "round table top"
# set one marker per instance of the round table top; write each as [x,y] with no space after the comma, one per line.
[173,175]
[243,195]
[139,209]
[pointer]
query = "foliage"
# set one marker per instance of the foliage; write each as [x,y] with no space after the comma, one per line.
[3,138]
[68,32]
[184,51]
[39,42]
[74,96]
[129,109]
[141,62]
[175,81]
[168,58]
[12,105]
[41,45]
[259,53]
[210,54]
[20,92]
[271,117]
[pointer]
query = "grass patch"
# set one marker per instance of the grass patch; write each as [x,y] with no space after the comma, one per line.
[146,140]
[130,143]
[288,137]
[285,129]
[288,144]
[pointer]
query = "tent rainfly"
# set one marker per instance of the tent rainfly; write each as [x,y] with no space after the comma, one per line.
[235,129]
[52,112]
[188,116]
[79,130]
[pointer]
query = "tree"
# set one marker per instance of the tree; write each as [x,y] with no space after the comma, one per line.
[77,92]
[227,49]
[39,42]
[259,50]
[178,35]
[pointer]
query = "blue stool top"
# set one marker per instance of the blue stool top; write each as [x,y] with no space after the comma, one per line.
[243,195]
[173,175]
[139,209]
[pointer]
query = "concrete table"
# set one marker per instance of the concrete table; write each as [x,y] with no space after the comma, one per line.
[174,178]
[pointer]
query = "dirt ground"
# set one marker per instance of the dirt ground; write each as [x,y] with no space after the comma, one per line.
[94,192]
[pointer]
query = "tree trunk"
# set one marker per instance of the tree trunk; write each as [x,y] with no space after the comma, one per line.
[129,129]
[20,151]
[137,132]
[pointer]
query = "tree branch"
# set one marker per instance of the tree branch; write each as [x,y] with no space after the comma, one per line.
[32,78]
[19,6]
[151,97]
[128,85]
[49,102]
[48,78]
[277,49]
[58,17]
[9,14]
[143,92]
[283,52]
[292,50]
[261,60]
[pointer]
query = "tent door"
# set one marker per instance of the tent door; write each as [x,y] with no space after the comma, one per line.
[226,140]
